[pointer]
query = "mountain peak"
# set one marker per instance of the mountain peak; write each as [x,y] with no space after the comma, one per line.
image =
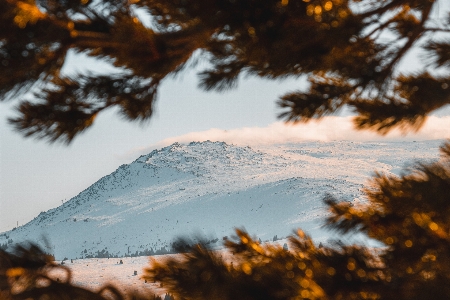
[199,157]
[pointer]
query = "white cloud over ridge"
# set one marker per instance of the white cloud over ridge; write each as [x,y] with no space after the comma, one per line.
[327,129]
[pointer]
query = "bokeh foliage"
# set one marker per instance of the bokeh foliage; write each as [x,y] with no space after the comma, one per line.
[348,49]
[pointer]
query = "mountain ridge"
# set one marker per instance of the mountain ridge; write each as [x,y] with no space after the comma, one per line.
[212,187]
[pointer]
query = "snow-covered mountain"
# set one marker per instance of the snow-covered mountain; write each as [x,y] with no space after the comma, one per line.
[211,188]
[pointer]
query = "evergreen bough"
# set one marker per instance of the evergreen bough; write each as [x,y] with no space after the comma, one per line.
[351,53]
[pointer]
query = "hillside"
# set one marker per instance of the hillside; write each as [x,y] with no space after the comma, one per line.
[210,188]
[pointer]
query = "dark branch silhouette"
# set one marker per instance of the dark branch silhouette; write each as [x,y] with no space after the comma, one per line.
[350,50]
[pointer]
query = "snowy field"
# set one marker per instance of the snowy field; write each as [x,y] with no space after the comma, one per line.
[94,273]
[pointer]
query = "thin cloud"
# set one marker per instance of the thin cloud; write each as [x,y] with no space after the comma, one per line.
[327,129]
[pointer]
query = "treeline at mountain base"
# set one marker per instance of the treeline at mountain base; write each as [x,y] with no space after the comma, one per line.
[409,216]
